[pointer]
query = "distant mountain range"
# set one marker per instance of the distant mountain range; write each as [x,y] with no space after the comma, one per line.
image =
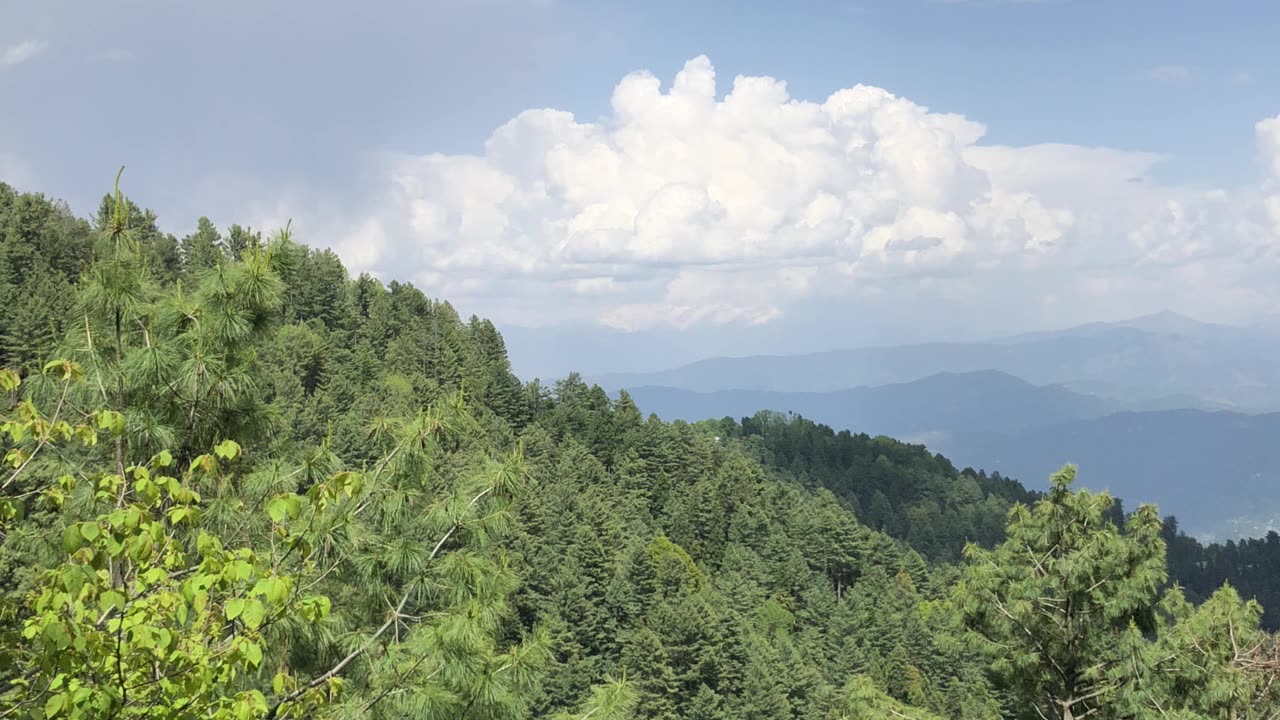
[984,400]
[1154,359]
[1219,472]
[1158,409]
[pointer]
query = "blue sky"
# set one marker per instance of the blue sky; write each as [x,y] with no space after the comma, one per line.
[1111,151]
[1077,71]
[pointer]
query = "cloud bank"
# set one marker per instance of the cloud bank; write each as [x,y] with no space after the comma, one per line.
[689,206]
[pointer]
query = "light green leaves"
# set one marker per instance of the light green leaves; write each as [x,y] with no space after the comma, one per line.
[9,380]
[142,607]
[253,613]
[284,507]
[63,370]
[110,599]
[250,611]
[72,540]
[252,653]
[227,450]
[274,589]
[111,422]
[162,459]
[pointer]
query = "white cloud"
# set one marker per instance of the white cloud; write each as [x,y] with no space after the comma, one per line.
[1171,74]
[20,53]
[687,207]
[1268,135]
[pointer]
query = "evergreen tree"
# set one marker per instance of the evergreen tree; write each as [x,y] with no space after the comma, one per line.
[201,250]
[1055,602]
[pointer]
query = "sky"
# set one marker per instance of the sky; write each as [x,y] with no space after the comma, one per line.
[634,185]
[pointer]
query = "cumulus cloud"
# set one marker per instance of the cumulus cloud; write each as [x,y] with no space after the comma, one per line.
[692,205]
[1268,134]
[20,52]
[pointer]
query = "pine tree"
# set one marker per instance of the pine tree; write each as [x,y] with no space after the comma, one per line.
[1055,602]
[202,250]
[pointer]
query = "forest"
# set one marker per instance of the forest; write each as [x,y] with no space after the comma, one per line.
[240,483]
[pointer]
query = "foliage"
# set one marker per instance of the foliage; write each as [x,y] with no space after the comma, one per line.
[257,488]
[1069,610]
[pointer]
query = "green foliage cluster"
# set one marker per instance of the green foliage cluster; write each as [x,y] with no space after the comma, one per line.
[894,487]
[1251,565]
[922,499]
[251,486]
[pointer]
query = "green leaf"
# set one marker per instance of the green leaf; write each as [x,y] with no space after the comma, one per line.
[350,482]
[63,369]
[57,633]
[111,599]
[253,653]
[53,705]
[205,463]
[89,531]
[234,607]
[228,450]
[162,459]
[111,421]
[273,589]
[278,508]
[72,540]
[9,380]
[253,613]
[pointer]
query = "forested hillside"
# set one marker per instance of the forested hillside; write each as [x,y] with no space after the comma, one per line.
[241,484]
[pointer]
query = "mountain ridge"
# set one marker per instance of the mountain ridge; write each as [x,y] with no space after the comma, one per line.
[1219,365]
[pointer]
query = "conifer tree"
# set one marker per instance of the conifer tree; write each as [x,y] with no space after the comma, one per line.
[1055,602]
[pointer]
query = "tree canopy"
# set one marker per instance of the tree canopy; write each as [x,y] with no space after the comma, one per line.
[242,484]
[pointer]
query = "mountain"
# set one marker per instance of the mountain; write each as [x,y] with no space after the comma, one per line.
[1140,361]
[986,400]
[1160,323]
[1219,472]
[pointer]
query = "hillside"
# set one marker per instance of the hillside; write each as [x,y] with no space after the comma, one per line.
[994,421]
[244,484]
